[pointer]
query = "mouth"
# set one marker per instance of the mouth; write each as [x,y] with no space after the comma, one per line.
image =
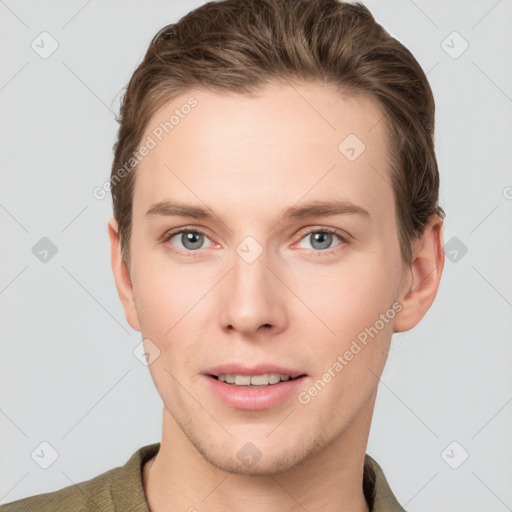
[255,391]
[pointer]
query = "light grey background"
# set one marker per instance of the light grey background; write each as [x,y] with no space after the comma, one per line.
[68,374]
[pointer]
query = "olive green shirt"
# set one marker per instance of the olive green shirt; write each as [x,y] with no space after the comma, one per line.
[120,489]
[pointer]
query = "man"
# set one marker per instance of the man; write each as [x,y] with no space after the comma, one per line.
[275,195]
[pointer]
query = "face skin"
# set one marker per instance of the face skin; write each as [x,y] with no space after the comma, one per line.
[300,304]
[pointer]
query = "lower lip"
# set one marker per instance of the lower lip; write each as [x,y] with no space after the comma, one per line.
[254,398]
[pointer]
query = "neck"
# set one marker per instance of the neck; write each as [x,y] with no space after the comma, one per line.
[180,478]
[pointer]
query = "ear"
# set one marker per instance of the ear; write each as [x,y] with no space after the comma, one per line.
[122,276]
[420,289]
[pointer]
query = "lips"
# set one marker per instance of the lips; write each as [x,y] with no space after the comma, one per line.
[254,397]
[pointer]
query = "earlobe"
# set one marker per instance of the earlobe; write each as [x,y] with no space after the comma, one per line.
[122,276]
[425,274]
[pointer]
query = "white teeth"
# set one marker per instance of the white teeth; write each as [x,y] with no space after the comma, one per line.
[274,378]
[242,380]
[260,380]
[254,380]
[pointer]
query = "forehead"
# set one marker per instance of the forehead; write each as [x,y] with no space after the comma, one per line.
[284,144]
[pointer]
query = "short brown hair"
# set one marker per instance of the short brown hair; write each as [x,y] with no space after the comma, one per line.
[242,45]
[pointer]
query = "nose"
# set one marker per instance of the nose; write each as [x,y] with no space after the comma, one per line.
[253,298]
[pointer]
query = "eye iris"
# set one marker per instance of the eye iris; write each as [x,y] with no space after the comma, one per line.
[189,236]
[324,238]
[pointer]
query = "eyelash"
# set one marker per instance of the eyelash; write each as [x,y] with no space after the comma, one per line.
[343,240]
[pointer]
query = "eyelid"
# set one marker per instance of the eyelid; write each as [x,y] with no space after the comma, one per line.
[175,231]
[323,229]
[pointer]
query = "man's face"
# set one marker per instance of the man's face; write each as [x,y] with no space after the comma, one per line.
[257,288]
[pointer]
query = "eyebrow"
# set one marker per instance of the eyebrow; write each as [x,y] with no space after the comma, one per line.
[317,208]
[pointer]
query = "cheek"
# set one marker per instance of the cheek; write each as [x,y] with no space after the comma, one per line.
[171,301]
[354,347]
[164,291]
[349,297]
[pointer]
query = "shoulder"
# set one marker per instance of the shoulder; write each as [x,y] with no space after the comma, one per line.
[91,494]
[118,488]
[376,488]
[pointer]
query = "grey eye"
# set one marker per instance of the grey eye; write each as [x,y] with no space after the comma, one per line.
[189,240]
[323,239]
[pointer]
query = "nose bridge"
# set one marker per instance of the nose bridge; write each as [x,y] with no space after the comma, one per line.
[251,297]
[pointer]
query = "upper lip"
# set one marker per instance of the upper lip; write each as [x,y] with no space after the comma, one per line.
[259,369]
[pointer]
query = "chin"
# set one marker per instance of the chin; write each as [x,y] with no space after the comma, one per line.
[261,458]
